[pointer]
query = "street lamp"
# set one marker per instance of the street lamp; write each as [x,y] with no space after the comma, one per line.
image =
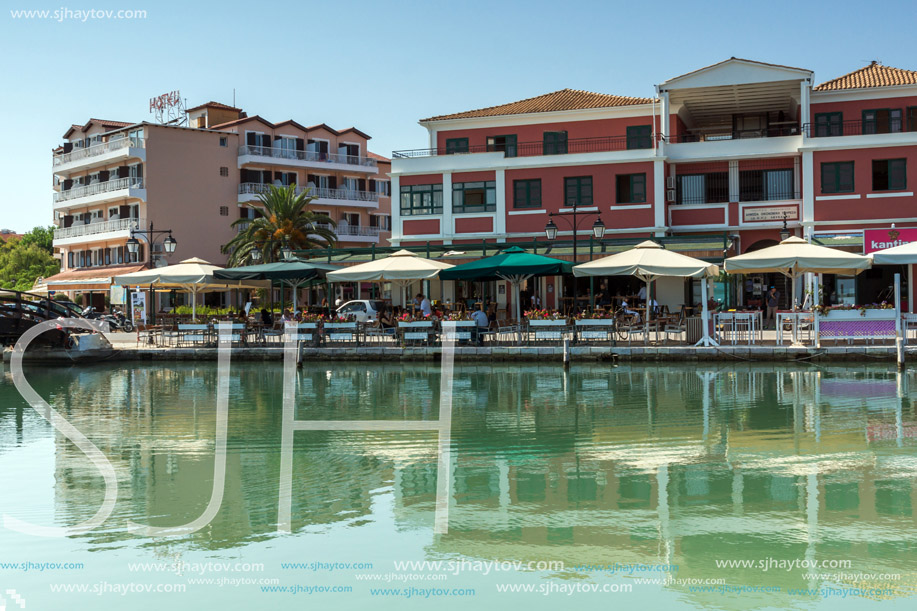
[285,250]
[785,232]
[550,230]
[598,229]
[168,244]
[255,253]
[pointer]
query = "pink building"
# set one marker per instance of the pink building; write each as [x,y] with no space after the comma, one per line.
[734,152]
[113,177]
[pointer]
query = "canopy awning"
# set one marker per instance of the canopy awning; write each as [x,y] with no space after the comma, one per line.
[402,266]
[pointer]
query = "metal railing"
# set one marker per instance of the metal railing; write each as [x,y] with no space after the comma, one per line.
[86,229]
[313,156]
[859,127]
[97,188]
[601,144]
[97,149]
[339,194]
[747,134]
[352,230]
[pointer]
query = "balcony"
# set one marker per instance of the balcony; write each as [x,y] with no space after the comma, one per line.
[355,233]
[600,144]
[859,128]
[101,192]
[118,149]
[334,162]
[89,232]
[249,191]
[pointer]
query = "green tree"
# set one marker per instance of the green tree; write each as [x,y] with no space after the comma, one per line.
[24,260]
[282,215]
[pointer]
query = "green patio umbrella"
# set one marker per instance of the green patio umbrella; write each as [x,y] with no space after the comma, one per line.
[514,265]
[291,273]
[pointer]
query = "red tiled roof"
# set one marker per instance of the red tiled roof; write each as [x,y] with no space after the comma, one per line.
[356,131]
[565,99]
[373,155]
[873,75]
[95,272]
[213,104]
[242,120]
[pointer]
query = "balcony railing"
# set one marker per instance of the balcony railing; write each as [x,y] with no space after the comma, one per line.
[87,229]
[352,230]
[97,188]
[313,156]
[859,128]
[97,149]
[600,144]
[340,194]
[770,132]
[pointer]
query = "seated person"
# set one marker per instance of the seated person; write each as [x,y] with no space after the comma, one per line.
[626,308]
[385,320]
[492,316]
[480,318]
[266,319]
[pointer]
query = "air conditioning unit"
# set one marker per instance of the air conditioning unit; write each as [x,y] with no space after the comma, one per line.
[159,261]
[669,182]
[670,196]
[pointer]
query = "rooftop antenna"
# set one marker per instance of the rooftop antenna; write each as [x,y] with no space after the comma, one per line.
[872,62]
[233,97]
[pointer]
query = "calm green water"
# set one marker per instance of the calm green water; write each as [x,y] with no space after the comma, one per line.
[671,470]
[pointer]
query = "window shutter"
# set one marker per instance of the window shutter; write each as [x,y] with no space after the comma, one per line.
[300,144]
[278,176]
[68,146]
[276,138]
[639,188]
[68,184]
[68,220]
[123,171]
[372,185]
[361,184]
[104,175]
[897,174]
[124,212]
[332,182]
[243,176]
[250,139]
[243,212]
[845,177]
[266,140]
[311,178]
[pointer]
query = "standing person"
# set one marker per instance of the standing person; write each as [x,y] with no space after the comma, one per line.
[425,306]
[641,295]
[772,299]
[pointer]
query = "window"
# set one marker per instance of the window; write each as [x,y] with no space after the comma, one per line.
[351,218]
[70,260]
[912,119]
[766,185]
[224,171]
[224,141]
[640,137]
[882,121]
[889,174]
[286,178]
[631,188]
[383,222]
[578,191]
[709,188]
[456,145]
[382,187]
[554,143]
[474,196]
[224,210]
[421,199]
[837,177]
[527,193]
[507,144]
[829,124]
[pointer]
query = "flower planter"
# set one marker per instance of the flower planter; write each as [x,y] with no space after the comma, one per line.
[854,324]
[416,330]
[294,332]
[547,323]
[548,329]
[595,322]
[340,331]
[463,328]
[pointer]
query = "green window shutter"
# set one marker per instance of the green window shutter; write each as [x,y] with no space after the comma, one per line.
[510,148]
[828,178]
[845,177]
[638,188]
[639,137]
[897,174]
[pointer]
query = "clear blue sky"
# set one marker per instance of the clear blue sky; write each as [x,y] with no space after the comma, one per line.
[381,66]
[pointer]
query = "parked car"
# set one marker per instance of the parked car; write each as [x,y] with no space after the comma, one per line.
[365,310]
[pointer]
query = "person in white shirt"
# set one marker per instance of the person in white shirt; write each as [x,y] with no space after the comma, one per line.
[480,318]
[425,307]
[641,295]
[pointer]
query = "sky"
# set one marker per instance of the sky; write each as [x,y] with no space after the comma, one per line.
[381,66]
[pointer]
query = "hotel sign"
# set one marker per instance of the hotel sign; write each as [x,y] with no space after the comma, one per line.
[880,239]
[769,213]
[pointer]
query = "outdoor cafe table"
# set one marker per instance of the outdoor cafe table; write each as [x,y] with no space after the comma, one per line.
[795,319]
[752,320]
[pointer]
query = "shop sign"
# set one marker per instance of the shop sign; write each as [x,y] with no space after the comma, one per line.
[880,239]
[769,213]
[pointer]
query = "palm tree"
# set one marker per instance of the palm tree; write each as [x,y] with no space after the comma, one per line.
[283,217]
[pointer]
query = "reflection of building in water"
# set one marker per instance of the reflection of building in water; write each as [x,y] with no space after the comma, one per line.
[598,465]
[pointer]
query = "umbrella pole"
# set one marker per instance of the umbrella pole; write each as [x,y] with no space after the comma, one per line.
[646,322]
[705,339]
[795,317]
[516,292]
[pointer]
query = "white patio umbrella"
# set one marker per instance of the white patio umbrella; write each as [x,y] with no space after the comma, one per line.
[905,254]
[193,275]
[649,261]
[402,268]
[794,256]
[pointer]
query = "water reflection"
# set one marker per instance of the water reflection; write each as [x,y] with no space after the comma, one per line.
[632,464]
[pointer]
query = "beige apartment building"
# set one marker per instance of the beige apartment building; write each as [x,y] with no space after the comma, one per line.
[111,178]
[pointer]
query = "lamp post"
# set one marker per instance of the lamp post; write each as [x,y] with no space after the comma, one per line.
[133,248]
[785,232]
[570,216]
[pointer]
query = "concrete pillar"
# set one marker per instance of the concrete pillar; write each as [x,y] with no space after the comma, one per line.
[659,217]
[445,227]
[397,229]
[500,214]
